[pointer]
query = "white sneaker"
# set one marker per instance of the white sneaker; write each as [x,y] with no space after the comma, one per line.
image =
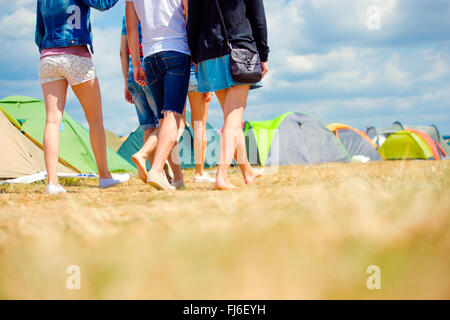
[178,184]
[259,171]
[205,178]
[54,189]
[116,179]
[159,181]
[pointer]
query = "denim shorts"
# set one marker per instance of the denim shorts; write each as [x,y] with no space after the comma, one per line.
[168,74]
[193,80]
[145,104]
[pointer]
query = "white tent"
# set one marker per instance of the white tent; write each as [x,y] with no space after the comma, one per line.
[19,155]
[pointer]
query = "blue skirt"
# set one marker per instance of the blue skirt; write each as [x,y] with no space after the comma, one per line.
[215,75]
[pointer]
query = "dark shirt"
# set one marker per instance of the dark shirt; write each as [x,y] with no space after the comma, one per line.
[245,22]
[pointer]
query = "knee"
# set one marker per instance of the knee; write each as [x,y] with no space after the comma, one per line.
[169,114]
[150,132]
[155,131]
[95,121]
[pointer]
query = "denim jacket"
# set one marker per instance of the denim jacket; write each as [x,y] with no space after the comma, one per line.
[65,23]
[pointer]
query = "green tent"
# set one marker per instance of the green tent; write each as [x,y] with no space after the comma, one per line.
[135,141]
[411,144]
[75,148]
[292,138]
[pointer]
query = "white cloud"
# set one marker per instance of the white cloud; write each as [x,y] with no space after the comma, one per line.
[300,64]
[394,71]
[22,21]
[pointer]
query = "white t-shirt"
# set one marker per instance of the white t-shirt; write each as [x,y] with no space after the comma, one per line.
[163,26]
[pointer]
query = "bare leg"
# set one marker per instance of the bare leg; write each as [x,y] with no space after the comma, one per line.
[88,93]
[147,134]
[146,152]
[175,163]
[199,109]
[55,93]
[241,151]
[233,110]
[174,158]
[167,138]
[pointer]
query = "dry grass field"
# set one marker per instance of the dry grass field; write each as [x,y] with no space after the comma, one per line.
[306,232]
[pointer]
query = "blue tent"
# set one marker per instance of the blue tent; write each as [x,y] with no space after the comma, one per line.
[135,141]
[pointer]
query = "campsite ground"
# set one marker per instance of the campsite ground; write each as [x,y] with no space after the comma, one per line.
[305,232]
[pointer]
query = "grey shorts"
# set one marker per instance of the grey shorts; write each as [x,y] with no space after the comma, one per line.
[74,69]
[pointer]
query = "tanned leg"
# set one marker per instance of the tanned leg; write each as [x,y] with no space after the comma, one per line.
[55,93]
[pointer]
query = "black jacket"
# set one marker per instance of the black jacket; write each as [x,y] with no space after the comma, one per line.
[245,21]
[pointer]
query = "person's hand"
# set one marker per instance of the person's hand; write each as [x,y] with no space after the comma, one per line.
[265,68]
[139,76]
[207,96]
[128,96]
[196,67]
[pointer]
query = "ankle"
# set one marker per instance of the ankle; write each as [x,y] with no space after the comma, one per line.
[155,171]
[178,177]
[141,154]
[221,178]
[247,169]
[105,176]
[200,173]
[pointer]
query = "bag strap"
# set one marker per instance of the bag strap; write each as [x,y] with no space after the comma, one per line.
[222,22]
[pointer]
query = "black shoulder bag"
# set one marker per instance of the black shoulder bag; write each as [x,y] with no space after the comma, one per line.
[245,64]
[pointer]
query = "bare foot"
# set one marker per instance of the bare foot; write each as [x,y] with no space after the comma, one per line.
[224,185]
[253,174]
[141,165]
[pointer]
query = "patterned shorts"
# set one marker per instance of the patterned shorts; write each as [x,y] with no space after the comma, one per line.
[74,69]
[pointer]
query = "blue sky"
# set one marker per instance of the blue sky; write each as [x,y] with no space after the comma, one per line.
[324,61]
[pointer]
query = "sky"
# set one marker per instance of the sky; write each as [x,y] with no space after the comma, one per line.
[358,62]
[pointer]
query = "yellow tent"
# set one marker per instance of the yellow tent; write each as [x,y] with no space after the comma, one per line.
[19,155]
[112,140]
